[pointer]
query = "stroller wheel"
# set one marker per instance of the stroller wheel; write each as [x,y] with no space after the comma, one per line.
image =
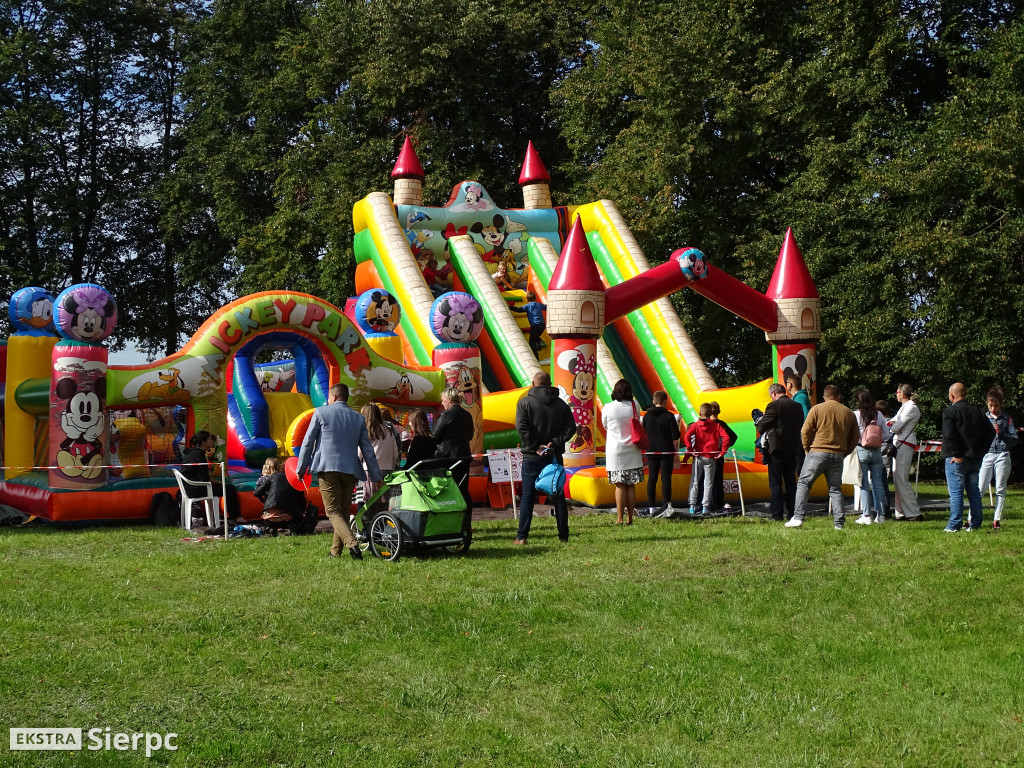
[463,548]
[386,537]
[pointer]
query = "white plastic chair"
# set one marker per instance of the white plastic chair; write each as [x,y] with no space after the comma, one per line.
[210,502]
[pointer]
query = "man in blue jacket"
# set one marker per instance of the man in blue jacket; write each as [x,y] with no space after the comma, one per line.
[330,449]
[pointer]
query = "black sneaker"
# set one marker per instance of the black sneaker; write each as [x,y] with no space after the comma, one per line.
[356,553]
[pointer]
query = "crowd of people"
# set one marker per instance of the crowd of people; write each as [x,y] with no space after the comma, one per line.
[831,440]
[352,450]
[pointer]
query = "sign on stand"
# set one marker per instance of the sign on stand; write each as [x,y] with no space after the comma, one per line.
[506,466]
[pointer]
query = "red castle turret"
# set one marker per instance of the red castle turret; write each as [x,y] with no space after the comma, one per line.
[799,313]
[534,180]
[408,175]
[793,290]
[575,321]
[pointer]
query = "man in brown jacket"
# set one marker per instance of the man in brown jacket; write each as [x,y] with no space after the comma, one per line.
[829,435]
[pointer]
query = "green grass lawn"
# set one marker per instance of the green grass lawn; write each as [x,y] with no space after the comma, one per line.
[732,642]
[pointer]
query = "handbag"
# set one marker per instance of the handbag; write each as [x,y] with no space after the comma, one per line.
[889,446]
[637,433]
[551,480]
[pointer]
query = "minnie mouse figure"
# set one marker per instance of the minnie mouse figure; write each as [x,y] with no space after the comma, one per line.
[457,317]
[86,312]
[584,372]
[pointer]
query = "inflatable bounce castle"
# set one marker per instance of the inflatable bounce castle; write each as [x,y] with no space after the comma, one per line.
[87,441]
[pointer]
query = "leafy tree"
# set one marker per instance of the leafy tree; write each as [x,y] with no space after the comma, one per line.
[883,132]
[85,138]
[295,118]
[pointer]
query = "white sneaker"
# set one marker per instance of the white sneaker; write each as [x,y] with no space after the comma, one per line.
[794,522]
[879,520]
[839,526]
[863,520]
[727,508]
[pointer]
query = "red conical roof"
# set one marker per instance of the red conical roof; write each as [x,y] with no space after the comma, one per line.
[576,270]
[533,168]
[408,165]
[791,279]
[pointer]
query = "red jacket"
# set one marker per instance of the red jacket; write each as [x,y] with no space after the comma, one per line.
[705,437]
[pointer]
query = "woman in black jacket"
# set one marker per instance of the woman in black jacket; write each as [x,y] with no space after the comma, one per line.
[423,446]
[282,504]
[453,431]
[201,447]
[662,432]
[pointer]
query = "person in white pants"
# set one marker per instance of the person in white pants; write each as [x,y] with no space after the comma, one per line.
[996,463]
[903,426]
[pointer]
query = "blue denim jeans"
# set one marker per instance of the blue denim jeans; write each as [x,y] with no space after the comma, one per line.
[872,480]
[816,463]
[962,477]
[532,465]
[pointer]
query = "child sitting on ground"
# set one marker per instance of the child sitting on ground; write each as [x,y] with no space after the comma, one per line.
[707,441]
[282,504]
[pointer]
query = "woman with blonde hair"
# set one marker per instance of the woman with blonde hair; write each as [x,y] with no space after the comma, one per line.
[282,504]
[904,438]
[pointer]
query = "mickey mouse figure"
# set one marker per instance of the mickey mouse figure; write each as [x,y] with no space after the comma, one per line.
[83,422]
[692,263]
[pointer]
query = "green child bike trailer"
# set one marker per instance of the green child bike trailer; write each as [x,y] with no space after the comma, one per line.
[414,509]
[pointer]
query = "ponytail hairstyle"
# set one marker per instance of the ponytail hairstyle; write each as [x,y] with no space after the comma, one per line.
[907,391]
[199,437]
[996,393]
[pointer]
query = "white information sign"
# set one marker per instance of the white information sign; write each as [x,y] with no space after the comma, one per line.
[506,465]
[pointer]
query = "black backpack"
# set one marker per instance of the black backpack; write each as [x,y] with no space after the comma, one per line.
[163,510]
[307,523]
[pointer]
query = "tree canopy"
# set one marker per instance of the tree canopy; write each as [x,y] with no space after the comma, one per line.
[179,151]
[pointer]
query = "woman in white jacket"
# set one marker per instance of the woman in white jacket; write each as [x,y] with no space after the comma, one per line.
[623,460]
[903,426]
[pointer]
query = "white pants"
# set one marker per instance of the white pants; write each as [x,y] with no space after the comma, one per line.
[906,496]
[998,465]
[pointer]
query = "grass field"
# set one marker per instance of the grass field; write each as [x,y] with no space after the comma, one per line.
[731,642]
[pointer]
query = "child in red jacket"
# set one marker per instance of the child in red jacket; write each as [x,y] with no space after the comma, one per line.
[707,441]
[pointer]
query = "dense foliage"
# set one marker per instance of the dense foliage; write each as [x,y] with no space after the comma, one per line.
[178,151]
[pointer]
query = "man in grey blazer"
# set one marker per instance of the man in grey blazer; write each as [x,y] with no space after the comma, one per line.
[329,449]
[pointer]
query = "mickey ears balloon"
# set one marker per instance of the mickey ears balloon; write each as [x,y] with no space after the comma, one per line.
[85,312]
[31,311]
[456,317]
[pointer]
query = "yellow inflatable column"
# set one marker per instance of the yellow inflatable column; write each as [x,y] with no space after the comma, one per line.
[28,357]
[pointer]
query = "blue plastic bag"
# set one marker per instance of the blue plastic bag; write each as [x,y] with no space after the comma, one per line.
[551,480]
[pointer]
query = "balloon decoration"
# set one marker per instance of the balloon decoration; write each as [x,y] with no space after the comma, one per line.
[31,311]
[377,311]
[85,312]
[291,467]
[456,317]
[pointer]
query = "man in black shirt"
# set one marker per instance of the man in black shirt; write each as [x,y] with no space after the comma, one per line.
[785,418]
